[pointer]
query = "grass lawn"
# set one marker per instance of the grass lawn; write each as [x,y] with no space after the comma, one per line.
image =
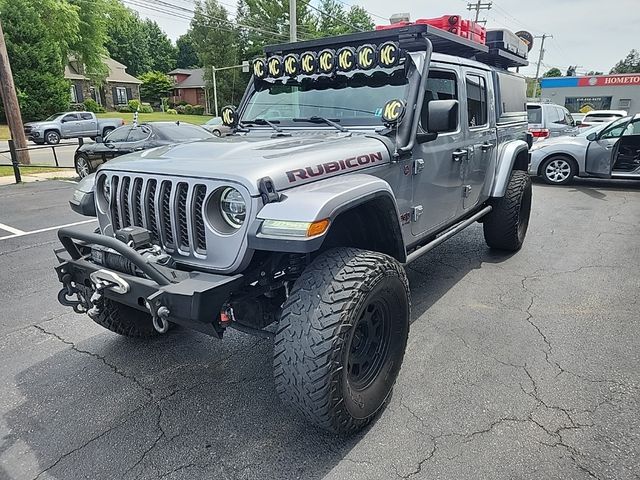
[6,171]
[4,132]
[157,117]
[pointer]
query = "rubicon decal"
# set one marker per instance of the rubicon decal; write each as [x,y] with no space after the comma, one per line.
[332,167]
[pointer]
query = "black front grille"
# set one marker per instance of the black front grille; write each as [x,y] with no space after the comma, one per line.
[172,212]
[137,202]
[199,195]
[181,215]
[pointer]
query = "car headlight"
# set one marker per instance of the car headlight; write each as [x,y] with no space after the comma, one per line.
[233,208]
[106,190]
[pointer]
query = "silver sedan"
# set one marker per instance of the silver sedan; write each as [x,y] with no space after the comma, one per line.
[610,150]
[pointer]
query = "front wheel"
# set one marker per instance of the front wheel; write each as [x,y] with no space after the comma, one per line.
[505,227]
[83,166]
[341,338]
[52,137]
[558,171]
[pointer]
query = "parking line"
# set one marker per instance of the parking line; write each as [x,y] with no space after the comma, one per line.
[15,231]
[48,229]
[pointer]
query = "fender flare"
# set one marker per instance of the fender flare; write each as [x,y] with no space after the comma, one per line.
[506,160]
[320,200]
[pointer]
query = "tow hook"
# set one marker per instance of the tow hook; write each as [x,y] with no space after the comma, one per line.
[160,322]
[103,280]
[66,294]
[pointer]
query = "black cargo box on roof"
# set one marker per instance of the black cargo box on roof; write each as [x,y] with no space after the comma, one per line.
[410,38]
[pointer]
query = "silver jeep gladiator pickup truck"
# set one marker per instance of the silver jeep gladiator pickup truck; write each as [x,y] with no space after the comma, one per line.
[351,156]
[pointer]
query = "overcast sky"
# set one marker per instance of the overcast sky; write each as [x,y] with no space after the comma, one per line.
[593,34]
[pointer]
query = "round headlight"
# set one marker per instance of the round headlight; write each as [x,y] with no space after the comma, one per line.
[106,189]
[233,207]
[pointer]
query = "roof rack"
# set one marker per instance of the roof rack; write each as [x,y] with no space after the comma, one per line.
[411,38]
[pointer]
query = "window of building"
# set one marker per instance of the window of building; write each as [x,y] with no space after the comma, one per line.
[73,93]
[95,94]
[121,96]
[441,85]
[477,100]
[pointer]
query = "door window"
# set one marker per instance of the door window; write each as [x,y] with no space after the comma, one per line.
[138,134]
[441,85]
[569,119]
[632,129]
[119,135]
[615,129]
[86,116]
[476,100]
[71,117]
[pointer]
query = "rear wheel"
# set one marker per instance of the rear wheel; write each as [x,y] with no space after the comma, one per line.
[558,170]
[506,226]
[342,337]
[216,133]
[125,320]
[106,131]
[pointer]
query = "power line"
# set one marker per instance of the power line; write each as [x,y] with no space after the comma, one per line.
[479,5]
[308,4]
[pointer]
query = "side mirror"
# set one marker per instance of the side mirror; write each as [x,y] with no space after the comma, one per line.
[441,116]
[578,123]
[99,139]
[592,136]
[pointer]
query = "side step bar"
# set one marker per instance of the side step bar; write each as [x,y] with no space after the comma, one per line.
[447,234]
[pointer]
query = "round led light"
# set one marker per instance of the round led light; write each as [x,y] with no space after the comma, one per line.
[346,59]
[106,189]
[233,208]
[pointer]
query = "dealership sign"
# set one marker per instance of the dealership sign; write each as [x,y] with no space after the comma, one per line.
[609,81]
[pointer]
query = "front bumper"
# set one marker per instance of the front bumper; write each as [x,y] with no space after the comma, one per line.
[193,299]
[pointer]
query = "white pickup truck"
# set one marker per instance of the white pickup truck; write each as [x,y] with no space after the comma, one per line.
[69,125]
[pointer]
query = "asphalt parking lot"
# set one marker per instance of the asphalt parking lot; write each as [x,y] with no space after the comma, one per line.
[518,367]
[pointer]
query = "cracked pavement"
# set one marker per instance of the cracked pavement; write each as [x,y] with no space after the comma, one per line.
[521,366]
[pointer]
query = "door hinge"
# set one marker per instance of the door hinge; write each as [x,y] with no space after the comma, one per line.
[418,166]
[416,212]
[466,191]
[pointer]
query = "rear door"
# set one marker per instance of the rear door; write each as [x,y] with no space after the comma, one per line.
[88,125]
[479,125]
[600,155]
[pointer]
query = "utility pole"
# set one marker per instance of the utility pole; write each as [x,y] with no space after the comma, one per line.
[293,21]
[544,36]
[477,6]
[245,69]
[11,105]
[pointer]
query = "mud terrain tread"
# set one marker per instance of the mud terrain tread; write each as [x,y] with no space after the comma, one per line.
[501,225]
[314,326]
[125,320]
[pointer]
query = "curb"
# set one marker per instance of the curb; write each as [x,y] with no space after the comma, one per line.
[39,177]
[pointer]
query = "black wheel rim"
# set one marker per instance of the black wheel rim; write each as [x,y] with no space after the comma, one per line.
[369,345]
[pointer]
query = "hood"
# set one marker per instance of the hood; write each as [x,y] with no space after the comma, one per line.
[289,161]
[38,124]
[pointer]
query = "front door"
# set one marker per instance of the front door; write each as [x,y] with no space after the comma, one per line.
[599,158]
[69,125]
[437,169]
[88,125]
[481,136]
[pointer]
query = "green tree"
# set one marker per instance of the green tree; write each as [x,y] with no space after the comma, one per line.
[553,72]
[187,56]
[39,35]
[630,64]
[127,41]
[88,46]
[333,19]
[155,86]
[360,18]
[162,52]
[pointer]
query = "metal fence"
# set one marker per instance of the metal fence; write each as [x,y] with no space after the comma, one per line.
[13,153]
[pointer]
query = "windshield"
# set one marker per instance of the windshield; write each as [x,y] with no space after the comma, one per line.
[54,116]
[182,132]
[350,100]
[594,129]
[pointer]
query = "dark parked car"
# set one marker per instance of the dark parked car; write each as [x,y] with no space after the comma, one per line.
[133,138]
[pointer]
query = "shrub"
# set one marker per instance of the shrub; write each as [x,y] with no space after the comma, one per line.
[90,105]
[188,109]
[182,109]
[123,108]
[146,108]
[182,102]
[198,110]
[171,111]
[134,105]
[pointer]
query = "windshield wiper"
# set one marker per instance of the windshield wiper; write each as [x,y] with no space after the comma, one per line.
[263,121]
[316,119]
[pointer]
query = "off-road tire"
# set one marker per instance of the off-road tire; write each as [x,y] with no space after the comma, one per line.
[506,226]
[316,338]
[125,320]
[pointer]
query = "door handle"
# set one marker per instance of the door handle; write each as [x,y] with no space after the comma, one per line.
[459,154]
[609,147]
[486,146]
